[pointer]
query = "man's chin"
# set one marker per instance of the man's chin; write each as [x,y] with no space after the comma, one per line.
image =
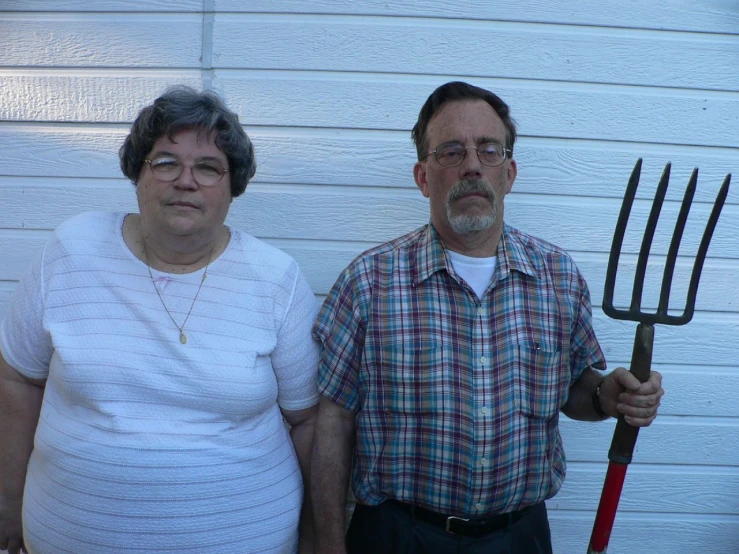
[467,224]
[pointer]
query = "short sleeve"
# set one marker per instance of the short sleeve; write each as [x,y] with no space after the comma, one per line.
[24,342]
[341,333]
[584,347]
[295,356]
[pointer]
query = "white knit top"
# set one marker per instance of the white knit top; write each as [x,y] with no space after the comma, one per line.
[145,444]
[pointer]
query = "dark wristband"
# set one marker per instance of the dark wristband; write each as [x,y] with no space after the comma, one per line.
[596,402]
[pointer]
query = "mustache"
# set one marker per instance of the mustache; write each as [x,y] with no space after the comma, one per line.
[471,186]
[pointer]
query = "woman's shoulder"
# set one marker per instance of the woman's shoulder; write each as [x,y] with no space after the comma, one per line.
[88,234]
[260,257]
[89,225]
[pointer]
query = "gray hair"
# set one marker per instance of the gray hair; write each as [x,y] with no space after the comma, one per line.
[182,108]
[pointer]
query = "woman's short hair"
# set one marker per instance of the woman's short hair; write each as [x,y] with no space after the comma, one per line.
[458,90]
[183,108]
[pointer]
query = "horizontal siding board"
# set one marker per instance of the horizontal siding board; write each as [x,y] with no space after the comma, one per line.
[576,168]
[597,113]
[524,51]
[91,98]
[147,40]
[677,441]
[711,16]
[687,345]
[647,533]
[103,5]
[60,152]
[682,491]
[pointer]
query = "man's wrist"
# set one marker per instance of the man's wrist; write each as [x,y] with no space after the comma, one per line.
[597,407]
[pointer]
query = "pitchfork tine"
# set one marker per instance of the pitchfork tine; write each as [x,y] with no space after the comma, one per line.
[700,257]
[646,244]
[677,235]
[618,239]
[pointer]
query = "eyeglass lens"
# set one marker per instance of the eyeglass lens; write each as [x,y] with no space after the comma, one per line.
[205,173]
[489,153]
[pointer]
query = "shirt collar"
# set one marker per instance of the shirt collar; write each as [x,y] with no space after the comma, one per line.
[512,254]
[430,255]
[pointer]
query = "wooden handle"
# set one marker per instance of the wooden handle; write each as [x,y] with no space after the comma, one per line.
[624,437]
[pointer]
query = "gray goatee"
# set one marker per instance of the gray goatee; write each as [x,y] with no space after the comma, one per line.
[464,224]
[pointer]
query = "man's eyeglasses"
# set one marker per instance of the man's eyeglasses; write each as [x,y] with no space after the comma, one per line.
[205,174]
[490,154]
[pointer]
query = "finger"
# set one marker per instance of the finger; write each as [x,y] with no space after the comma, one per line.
[637,413]
[641,400]
[639,417]
[625,378]
[629,381]
[653,384]
[638,421]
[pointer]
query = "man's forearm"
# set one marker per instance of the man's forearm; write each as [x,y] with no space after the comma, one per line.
[331,465]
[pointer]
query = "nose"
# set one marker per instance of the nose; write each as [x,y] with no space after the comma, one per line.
[186,180]
[471,167]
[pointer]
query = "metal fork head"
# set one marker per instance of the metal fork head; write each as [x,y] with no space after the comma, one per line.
[635,313]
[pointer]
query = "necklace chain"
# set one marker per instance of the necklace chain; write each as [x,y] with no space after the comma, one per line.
[181,328]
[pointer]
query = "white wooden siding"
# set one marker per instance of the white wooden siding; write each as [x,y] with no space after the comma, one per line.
[329,89]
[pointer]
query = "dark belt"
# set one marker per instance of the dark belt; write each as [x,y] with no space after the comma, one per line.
[468,527]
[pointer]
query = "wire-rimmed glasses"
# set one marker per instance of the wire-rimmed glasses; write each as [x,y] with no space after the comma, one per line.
[205,173]
[453,154]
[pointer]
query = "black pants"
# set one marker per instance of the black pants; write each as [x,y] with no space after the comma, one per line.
[386,529]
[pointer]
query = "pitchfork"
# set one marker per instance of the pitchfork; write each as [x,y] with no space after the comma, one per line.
[624,437]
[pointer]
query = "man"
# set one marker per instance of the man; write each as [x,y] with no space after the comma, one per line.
[448,354]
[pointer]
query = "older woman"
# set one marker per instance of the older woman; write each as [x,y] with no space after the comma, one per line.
[153,356]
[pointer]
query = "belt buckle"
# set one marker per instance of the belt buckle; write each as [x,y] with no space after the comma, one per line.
[449,522]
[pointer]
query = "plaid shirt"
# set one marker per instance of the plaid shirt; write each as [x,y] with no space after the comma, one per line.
[457,398]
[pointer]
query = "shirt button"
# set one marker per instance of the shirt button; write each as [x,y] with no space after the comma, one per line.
[483,461]
[479,506]
[484,410]
[479,311]
[483,359]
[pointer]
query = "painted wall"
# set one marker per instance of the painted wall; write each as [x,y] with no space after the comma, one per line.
[329,90]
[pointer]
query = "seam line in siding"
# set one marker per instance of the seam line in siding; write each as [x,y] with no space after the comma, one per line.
[207,57]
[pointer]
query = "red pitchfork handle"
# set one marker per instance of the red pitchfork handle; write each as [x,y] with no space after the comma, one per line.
[622,447]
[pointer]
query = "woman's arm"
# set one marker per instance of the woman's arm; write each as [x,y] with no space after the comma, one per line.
[302,425]
[20,405]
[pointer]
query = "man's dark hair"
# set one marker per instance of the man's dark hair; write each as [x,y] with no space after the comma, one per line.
[454,91]
[183,108]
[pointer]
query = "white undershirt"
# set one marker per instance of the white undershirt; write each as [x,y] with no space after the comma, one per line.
[477,272]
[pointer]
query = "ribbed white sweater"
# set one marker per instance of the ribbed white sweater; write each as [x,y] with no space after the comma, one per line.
[145,444]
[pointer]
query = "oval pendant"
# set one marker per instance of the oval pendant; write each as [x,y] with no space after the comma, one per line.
[183,338]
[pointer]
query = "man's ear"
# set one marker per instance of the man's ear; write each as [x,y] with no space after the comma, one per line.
[419,174]
[511,174]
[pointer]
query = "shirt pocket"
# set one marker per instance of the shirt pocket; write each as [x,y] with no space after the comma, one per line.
[541,381]
[412,380]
